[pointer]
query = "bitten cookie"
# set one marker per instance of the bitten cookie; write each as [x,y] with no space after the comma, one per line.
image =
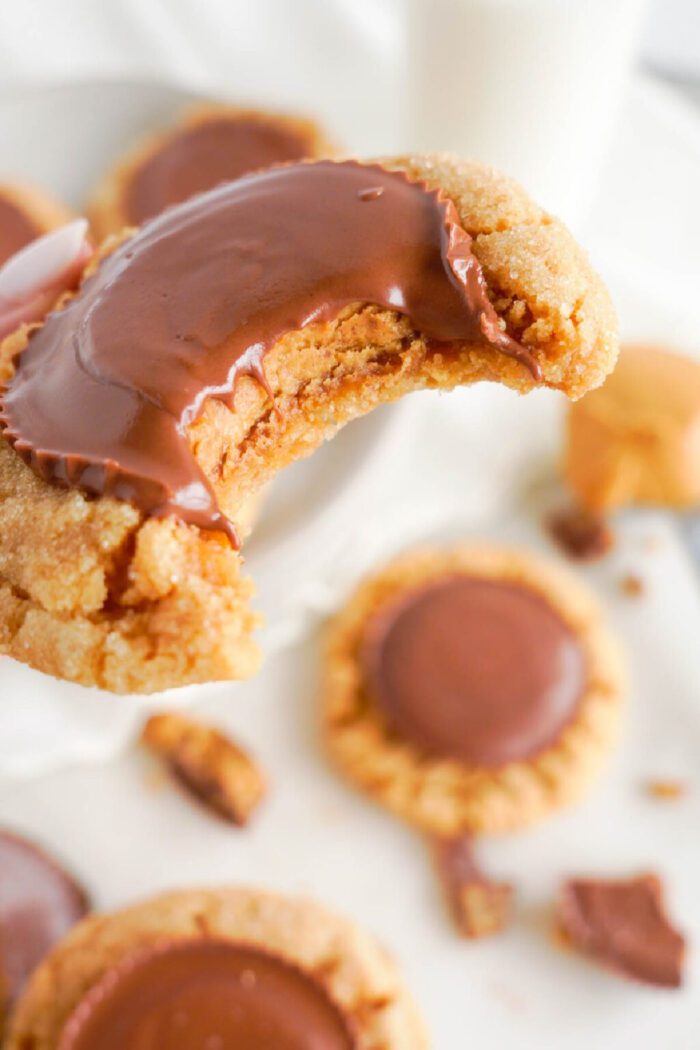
[637,439]
[26,213]
[208,145]
[471,690]
[226,338]
[231,969]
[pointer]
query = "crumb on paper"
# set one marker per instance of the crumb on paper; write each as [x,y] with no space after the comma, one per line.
[666,788]
[580,533]
[215,770]
[480,906]
[632,586]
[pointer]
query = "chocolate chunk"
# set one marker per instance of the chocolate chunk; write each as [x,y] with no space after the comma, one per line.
[480,907]
[208,764]
[580,533]
[39,902]
[622,924]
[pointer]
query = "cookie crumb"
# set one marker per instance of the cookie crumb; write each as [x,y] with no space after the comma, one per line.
[632,586]
[480,906]
[667,788]
[215,770]
[580,533]
[622,924]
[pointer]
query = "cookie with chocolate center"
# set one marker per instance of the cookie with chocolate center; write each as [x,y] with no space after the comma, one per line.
[471,690]
[230,969]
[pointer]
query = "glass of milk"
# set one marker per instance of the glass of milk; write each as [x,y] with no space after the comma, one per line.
[532,86]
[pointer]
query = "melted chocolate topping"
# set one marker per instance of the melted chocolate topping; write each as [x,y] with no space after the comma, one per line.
[200,157]
[621,922]
[479,670]
[39,902]
[103,394]
[16,229]
[193,995]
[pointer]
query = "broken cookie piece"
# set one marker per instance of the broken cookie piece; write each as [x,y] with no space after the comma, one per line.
[636,440]
[622,924]
[582,535]
[479,905]
[217,772]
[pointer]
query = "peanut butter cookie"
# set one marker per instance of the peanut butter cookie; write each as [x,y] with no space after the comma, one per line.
[234,969]
[471,690]
[132,453]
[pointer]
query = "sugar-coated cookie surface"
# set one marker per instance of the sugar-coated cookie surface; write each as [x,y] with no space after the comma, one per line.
[348,965]
[96,593]
[498,747]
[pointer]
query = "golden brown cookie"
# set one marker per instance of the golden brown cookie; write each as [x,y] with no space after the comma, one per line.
[98,592]
[209,144]
[26,213]
[471,690]
[637,439]
[227,968]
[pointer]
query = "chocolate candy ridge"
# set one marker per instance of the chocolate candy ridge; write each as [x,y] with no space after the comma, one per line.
[39,903]
[484,671]
[199,157]
[16,229]
[104,392]
[186,995]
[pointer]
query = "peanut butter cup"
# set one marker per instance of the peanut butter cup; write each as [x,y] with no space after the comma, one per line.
[103,396]
[207,146]
[101,590]
[206,993]
[482,671]
[218,969]
[16,229]
[39,903]
[471,690]
[26,213]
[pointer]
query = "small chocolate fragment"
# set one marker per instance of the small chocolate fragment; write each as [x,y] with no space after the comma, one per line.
[622,924]
[39,902]
[215,770]
[632,586]
[479,906]
[667,789]
[580,533]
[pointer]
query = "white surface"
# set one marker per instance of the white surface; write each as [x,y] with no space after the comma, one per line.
[514,84]
[477,463]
